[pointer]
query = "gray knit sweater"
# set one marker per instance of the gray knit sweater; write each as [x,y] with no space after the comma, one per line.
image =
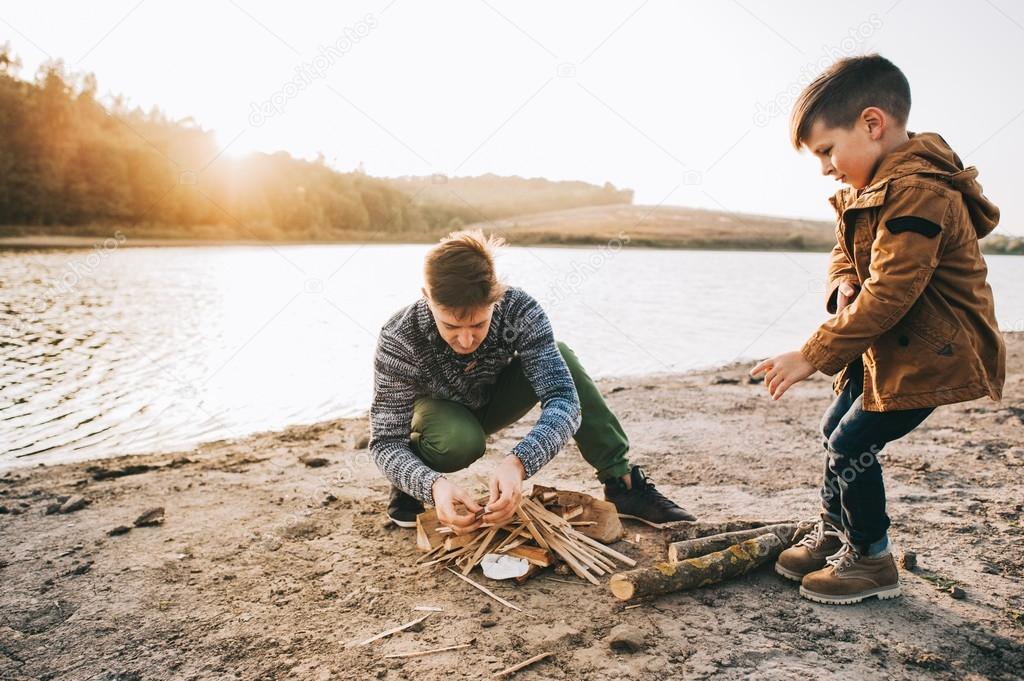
[413,361]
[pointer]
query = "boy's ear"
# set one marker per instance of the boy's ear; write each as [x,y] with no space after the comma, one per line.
[874,121]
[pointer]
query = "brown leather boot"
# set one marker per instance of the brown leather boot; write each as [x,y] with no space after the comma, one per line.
[850,578]
[809,553]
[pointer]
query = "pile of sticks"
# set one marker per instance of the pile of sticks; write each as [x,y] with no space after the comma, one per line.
[543,532]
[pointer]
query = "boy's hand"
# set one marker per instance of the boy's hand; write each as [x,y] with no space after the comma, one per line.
[445,496]
[845,295]
[783,371]
[506,490]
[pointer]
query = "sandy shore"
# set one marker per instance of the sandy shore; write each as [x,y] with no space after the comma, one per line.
[268,567]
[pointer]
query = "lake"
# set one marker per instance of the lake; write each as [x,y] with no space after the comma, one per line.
[129,350]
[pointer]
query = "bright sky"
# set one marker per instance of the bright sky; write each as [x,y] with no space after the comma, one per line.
[686,103]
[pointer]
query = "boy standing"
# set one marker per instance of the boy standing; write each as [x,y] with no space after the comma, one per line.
[914,325]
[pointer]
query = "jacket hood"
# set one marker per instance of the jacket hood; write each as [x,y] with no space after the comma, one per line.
[928,154]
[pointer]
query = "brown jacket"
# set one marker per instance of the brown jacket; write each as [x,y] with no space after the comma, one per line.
[924,319]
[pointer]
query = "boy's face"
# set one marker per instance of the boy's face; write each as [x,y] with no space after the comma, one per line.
[849,155]
[463,333]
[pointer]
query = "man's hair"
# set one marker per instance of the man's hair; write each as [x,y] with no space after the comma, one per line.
[459,272]
[839,95]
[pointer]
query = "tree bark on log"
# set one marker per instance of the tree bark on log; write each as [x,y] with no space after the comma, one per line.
[701,546]
[696,529]
[693,573]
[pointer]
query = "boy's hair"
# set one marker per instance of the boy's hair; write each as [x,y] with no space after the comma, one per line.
[839,95]
[459,272]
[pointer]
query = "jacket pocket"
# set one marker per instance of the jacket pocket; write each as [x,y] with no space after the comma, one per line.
[936,332]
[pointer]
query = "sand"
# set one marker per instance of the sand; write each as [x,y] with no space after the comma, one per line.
[268,567]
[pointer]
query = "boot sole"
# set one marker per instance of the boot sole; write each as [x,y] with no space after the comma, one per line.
[403,523]
[882,593]
[789,574]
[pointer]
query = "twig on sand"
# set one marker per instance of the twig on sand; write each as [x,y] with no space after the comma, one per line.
[393,631]
[485,590]
[525,663]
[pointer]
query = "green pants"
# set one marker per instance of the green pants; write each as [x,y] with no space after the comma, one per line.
[449,436]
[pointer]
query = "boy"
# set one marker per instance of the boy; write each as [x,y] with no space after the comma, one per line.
[469,358]
[914,325]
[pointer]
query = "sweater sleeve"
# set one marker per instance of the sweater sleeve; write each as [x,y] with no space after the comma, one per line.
[551,381]
[394,396]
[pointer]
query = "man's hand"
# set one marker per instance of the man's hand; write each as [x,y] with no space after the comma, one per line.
[506,490]
[845,295]
[783,371]
[445,496]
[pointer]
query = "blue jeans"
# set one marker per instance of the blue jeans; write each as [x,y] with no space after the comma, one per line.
[852,489]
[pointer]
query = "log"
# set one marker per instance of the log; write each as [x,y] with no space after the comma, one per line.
[692,573]
[693,530]
[692,548]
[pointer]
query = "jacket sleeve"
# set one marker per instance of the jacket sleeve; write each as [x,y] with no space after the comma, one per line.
[394,396]
[908,242]
[840,270]
[552,383]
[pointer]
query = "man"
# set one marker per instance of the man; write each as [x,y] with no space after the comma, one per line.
[468,359]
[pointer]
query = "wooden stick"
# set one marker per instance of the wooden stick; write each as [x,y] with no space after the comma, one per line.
[696,529]
[485,590]
[393,631]
[607,550]
[428,652]
[428,608]
[701,546]
[525,663]
[480,551]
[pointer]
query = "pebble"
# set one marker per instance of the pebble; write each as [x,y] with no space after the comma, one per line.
[74,503]
[150,518]
[626,638]
[908,560]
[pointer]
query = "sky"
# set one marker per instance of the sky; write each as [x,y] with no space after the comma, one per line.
[686,103]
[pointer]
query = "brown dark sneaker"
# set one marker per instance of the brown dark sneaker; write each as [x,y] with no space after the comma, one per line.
[809,553]
[850,578]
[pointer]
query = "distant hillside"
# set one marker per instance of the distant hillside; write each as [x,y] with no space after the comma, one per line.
[489,196]
[665,226]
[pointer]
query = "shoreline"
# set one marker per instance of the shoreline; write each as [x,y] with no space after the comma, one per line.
[273,556]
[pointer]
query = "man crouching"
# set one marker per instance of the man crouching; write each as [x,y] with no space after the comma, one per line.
[469,358]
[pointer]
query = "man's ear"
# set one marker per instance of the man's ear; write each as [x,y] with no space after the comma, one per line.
[423,290]
[874,121]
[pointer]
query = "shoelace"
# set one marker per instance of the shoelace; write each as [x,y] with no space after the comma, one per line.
[816,536]
[845,557]
[656,497]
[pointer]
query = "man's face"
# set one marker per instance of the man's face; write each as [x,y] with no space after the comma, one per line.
[849,155]
[463,333]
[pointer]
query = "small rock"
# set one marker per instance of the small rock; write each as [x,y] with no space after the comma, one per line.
[486,610]
[723,380]
[487,624]
[754,380]
[990,569]
[626,638]
[119,530]
[362,441]
[74,503]
[417,627]
[150,518]
[313,461]
[53,508]
[957,593]
[908,560]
